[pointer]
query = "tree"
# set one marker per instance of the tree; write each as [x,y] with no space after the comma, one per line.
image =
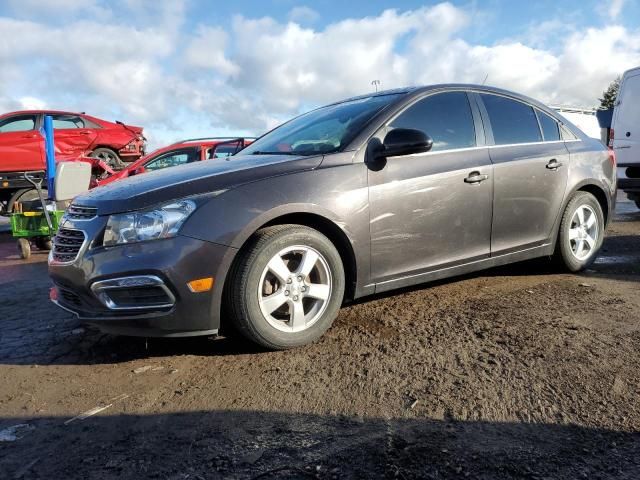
[608,99]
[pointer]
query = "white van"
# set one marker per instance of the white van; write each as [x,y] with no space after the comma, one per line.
[625,134]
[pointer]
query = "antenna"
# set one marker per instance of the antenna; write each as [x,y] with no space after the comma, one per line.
[375,83]
[485,78]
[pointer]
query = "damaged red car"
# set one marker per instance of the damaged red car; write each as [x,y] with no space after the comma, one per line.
[76,135]
[179,153]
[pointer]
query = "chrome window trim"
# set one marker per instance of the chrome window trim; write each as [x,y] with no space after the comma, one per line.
[98,289]
[451,150]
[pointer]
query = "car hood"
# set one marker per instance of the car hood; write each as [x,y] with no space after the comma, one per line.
[148,189]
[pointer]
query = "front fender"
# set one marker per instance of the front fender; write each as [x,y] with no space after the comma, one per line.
[338,194]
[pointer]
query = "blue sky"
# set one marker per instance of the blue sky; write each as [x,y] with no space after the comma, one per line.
[192,68]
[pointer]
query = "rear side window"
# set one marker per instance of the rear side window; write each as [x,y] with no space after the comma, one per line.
[18,124]
[511,121]
[550,128]
[445,117]
[66,122]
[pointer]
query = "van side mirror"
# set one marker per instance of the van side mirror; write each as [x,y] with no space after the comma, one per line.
[405,141]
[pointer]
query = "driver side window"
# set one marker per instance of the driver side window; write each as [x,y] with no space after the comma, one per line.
[445,117]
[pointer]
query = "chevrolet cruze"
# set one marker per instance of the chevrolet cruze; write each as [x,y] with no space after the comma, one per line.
[358,197]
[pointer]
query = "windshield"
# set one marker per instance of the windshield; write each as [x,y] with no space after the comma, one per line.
[325,130]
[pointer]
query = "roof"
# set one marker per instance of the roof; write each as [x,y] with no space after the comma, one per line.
[62,112]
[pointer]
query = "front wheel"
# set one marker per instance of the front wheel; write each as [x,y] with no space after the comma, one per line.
[581,232]
[286,288]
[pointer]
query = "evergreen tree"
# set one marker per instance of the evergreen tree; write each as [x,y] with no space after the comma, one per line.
[608,99]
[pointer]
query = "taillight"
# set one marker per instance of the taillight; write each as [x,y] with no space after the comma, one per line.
[611,139]
[612,157]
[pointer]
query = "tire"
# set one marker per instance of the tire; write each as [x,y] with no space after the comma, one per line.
[254,288]
[570,252]
[24,247]
[30,201]
[109,157]
[43,243]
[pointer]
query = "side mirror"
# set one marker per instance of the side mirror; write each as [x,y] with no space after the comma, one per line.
[137,171]
[405,141]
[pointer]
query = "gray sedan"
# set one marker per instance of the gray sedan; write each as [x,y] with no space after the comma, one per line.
[358,197]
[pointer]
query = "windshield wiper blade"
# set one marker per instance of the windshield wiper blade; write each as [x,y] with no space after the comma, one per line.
[258,152]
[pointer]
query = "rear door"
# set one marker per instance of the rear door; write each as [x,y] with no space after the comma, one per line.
[73,137]
[530,164]
[21,145]
[626,123]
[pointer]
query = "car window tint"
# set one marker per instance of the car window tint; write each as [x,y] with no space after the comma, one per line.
[550,129]
[172,159]
[511,121]
[445,117]
[226,150]
[66,122]
[18,124]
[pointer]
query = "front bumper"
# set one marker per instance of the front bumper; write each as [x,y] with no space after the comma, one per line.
[80,286]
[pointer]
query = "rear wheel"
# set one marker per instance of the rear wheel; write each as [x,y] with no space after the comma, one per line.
[30,201]
[581,232]
[286,288]
[108,156]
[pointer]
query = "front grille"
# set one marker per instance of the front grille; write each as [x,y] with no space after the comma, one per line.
[69,297]
[67,244]
[151,296]
[76,212]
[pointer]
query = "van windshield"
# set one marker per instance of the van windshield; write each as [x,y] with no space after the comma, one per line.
[325,130]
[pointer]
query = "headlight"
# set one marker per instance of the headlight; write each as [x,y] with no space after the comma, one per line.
[161,222]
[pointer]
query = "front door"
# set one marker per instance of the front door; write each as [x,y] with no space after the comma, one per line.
[432,210]
[530,173]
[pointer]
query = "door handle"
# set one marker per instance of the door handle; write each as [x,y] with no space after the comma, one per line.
[554,164]
[475,178]
[29,135]
[84,132]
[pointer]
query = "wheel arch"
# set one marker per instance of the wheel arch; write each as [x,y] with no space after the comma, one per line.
[322,224]
[590,186]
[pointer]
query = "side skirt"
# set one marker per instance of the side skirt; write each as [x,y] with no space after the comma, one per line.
[534,252]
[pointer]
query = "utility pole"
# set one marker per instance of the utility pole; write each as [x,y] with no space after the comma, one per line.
[375,83]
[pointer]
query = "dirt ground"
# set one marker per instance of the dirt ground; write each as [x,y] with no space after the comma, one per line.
[517,372]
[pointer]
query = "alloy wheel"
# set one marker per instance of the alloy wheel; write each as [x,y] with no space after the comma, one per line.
[295,288]
[583,232]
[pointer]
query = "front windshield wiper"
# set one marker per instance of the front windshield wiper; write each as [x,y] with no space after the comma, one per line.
[258,152]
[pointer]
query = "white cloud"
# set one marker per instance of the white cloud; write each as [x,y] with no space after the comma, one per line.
[256,72]
[303,14]
[207,50]
[615,7]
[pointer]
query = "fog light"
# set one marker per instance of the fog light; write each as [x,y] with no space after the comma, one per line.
[200,284]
